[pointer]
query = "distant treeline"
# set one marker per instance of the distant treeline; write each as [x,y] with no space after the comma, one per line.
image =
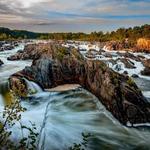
[122,33]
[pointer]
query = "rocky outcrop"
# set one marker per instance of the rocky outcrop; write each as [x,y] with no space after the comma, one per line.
[34,51]
[118,45]
[1,63]
[141,45]
[146,71]
[118,93]
[8,45]
[129,55]
[128,64]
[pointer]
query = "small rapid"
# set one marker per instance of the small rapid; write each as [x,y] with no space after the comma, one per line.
[62,117]
[33,87]
[11,67]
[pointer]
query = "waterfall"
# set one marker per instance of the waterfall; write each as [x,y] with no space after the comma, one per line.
[33,87]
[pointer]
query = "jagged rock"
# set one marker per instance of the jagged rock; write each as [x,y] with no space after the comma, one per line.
[125,72]
[146,72]
[34,51]
[108,55]
[118,45]
[129,55]
[119,94]
[135,76]
[128,64]
[146,63]
[141,57]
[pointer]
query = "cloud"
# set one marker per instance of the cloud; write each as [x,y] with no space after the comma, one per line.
[66,15]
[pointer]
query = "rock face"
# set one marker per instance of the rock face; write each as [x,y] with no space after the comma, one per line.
[33,51]
[142,45]
[1,63]
[146,70]
[118,45]
[8,45]
[118,93]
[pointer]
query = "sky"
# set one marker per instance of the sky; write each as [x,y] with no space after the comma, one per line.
[73,15]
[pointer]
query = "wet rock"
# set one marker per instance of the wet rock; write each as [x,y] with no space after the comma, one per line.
[146,72]
[108,55]
[128,64]
[118,67]
[141,57]
[125,72]
[118,93]
[129,55]
[34,51]
[146,63]
[135,76]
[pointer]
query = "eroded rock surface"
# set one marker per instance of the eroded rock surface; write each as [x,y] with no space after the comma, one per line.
[119,94]
[146,70]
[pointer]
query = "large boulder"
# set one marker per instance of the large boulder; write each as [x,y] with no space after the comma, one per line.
[118,45]
[127,63]
[119,94]
[34,51]
[146,70]
[146,63]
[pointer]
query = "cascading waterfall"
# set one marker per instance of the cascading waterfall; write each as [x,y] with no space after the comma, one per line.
[63,116]
[33,87]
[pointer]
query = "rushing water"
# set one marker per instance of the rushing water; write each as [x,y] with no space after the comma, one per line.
[63,116]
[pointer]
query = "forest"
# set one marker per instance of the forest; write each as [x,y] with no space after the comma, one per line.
[119,35]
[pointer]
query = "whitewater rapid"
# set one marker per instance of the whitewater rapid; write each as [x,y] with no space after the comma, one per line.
[67,114]
[11,67]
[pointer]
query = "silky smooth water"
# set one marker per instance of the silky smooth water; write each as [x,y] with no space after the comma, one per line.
[61,117]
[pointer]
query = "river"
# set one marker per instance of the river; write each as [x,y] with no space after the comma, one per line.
[67,114]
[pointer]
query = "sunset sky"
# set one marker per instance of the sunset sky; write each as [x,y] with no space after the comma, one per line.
[73,15]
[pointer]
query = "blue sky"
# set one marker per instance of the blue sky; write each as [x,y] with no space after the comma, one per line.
[73,16]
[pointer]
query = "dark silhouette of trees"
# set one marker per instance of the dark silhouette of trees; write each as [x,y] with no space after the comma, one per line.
[120,34]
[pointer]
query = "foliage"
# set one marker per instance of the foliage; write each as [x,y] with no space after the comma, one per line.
[29,142]
[11,115]
[121,34]
[83,144]
[20,88]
